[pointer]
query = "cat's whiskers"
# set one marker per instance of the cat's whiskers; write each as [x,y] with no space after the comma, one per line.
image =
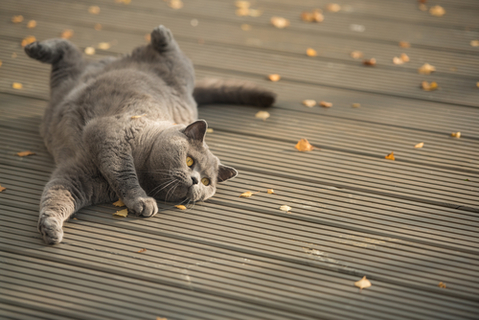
[173,187]
[162,186]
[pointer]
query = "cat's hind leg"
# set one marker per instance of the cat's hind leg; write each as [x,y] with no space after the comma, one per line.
[162,39]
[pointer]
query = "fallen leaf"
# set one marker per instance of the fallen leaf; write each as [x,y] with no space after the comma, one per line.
[242,4]
[119,203]
[325,104]
[2,63]
[390,156]
[141,115]
[274,77]
[94,9]
[31,24]
[175,4]
[475,43]
[271,191]
[242,12]
[363,283]
[370,62]
[426,69]
[89,51]
[181,207]
[442,285]
[28,40]
[285,208]
[209,130]
[2,188]
[97,26]
[419,145]
[404,44]
[279,22]
[312,16]
[255,13]
[356,105]
[159,318]
[17,19]
[17,85]
[245,27]
[123,1]
[74,218]
[262,115]
[247,194]
[104,45]
[25,153]
[356,54]
[397,60]
[422,7]
[310,52]
[477,83]
[122,213]
[404,57]
[456,134]
[303,145]
[437,11]
[148,37]
[426,86]
[67,34]
[309,103]
[333,7]
[141,250]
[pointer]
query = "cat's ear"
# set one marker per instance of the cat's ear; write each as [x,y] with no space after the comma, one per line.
[225,173]
[196,130]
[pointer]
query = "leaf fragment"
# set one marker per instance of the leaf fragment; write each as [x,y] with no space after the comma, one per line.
[390,156]
[104,45]
[67,34]
[141,250]
[2,188]
[310,52]
[312,16]
[426,69]
[363,283]
[175,4]
[25,153]
[309,103]
[404,57]
[456,134]
[285,208]
[28,40]
[210,130]
[404,44]
[181,207]
[441,285]
[262,115]
[17,85]
[242,4]
[89,51]
[122,213]
[356,54]
[426,86]
[474,43]
[270,191]
[1,63]
[356,105]
[397,60]
[419,145]
[31,24]
[437,11]
[333,7]
[119,203]
[139,116]
[369,62]
[248,194]
[279,22]
[94,9]
[303,145]
[325,104]
[274,77]
[17,19]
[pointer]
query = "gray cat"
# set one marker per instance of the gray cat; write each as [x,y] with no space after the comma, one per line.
[127,128]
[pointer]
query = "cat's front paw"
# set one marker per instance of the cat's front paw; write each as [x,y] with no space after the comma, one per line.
[51,229]
[144,206]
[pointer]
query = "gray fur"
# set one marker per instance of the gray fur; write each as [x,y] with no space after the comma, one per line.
[103,154]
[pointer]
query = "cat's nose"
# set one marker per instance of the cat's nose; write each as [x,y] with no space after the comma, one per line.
[195,181]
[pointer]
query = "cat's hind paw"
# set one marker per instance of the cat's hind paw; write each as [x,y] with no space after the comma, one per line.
[144,206]
[38,51]
[51,229]
[161,37]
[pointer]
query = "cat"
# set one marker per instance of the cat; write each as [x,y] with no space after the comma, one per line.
[127,128]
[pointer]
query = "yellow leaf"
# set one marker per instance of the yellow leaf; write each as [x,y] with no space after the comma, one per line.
[310,52]
[356,54]
[285,208]
[28,40]
[303,145]
[2,188]
[141,250]
[122,213]
[31,24]
[456,134]
[370,62]
[67,34]
[475,43]
[242,4]
[17,85]
[262,115]
[419,145]
[315,16]
[247,194]
[356,105]
[209,130]
[242,12]
[426,69]
[181,207]
[309,103]
[1,64]
[17,19]
[333,7]
[426,86]
[397,60]
[325,104]
[94,9]
[25,153]
[279,22]
[404,57]
[274,77]
[404,44]
[437,11]
[148,37]
[390,156]
[175,4]
[363,283]
[442,285]
[270,191]
[104,45]
[89,51]
[119,203]
[97,27]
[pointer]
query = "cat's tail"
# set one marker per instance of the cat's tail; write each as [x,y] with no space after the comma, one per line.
[212,90]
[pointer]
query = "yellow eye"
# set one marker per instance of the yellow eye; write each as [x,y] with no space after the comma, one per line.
[189,161]
[205,181]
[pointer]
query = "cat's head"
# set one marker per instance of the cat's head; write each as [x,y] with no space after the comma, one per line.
[181,166]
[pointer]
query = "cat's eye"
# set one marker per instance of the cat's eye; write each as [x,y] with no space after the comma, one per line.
[189,161]
[205,181]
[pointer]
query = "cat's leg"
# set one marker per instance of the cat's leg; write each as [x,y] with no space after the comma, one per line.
[162,40]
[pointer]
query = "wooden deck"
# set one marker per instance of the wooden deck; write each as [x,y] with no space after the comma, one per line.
[407,224]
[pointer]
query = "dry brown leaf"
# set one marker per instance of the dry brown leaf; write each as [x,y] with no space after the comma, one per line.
[67,34]
[17,85]
[119,203]
[312,16]
[181,207]
[94,9]
[370,62]
[271,191]
[175,4]
[97,26]
[2,188]
[404,57]
[390,156]
[310,52]
[303,145]
[325,104]
[279,22]
[210,130]
[426,86]
[475,43]
[274,77]
[441,285]
[309,103]
[245,27]
[248,194]
[122,213]
[17,19]
[404,44]
[31,24]
[456,134]
[397,60]
[426,69]
[285,208]
[262,115]
[25,153]
[363,283]
[141,250]
[333,7]
[89,51]
[437,11]
[139,116]
[356,54]
[28,40]
[104,45]
[419,145]
[356,105]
